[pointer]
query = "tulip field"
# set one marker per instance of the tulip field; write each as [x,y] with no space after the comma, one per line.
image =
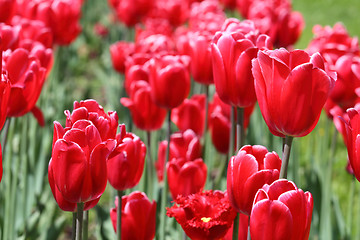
[179,119]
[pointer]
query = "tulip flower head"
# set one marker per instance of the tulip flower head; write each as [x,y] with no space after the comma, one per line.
[126,163]
[106,123]
[352,127]
[138,216]
[5,89]
[220,123]
[291,88]
[232,53]
[77,168]
[186,177]
[145,114]
[248,171]
[333,42]
[184,145]
[27,77]
[169,80]
[194,108]
[281,211]
[119,51]
[5,95]
[204,215]
[200,53]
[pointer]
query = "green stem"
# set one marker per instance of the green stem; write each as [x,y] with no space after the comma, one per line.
[236,227]
[240,129]
[73,232]
[118,220]
[14,185]
[4,133]
[350,209]
[185,237]
[206,113]
[325,214]
[285,156]
[232,127]
[7,163]
[248,231]
[24,164]
[149,167]
[222,172]
[165,186]
[79,220]
[357,230]
[86,225]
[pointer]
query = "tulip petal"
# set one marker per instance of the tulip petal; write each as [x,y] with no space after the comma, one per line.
[296,202]
[270,218]
[254,183]
[280,186]
[70,163]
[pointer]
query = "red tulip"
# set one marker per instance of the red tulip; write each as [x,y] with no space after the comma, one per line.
[281,211]
[176,12]
[152,25]
[186,177]
[206,16]
[77,168]
[35,30]
[290,27]
[243,7]
[7,10]
[276,19]
[155,44]
[291,88]
[27,77]
[131,12]
[5,94]
[220,123]
[247,172]
[119,51]
[107,124]
[61,16]
[145,114]
[9,36]
[126,163]
[184,145]
[138,216]
[61,201]
[204,215]
[232,53]
[64,20]
[5,90]
[39,51]
[344,93]
[184,115]
[200,53]
[352,127]
[333,43]
[136,69]
[169,80]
